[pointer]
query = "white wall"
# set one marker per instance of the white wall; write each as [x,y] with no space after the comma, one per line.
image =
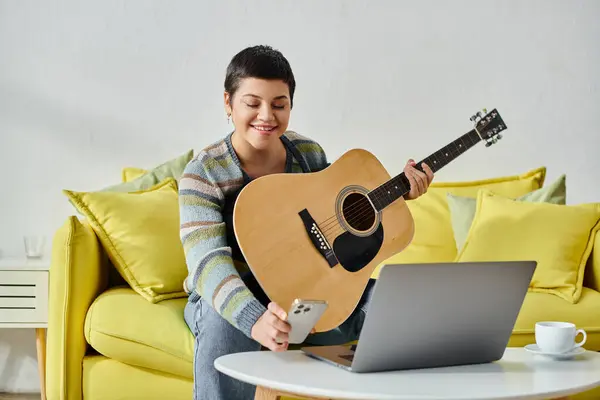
[89,87]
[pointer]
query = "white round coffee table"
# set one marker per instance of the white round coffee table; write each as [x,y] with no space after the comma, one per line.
[518,375]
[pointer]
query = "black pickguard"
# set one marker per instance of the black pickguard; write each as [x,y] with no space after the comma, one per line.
[355,252]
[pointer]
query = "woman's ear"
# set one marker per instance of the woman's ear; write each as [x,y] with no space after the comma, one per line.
[227,100]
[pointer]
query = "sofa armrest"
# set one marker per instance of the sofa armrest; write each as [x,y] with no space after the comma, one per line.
[78,274]
[592,269]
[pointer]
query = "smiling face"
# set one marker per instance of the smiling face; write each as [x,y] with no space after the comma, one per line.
[260,110]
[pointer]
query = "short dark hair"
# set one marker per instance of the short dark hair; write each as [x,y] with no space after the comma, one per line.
[262,62]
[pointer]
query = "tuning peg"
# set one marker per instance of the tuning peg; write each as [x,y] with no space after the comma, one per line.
[491,141]
[476,116]
[499,136]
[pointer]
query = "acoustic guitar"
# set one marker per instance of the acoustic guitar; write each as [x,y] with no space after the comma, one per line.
[321,235]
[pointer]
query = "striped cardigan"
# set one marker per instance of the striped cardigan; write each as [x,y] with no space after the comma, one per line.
[207,192]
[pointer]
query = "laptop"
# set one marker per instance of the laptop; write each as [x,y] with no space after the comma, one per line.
[435,315]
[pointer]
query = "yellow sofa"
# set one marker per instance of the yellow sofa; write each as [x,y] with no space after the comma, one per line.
[105,341]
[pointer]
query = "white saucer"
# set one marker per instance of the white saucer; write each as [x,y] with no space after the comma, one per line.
[533,348]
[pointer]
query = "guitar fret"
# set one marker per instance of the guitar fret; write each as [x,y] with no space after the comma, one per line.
[457,147]
[432,162]
[388,196]
[376,202]
[462,144]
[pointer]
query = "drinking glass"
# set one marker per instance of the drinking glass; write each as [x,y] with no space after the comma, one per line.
[34,246]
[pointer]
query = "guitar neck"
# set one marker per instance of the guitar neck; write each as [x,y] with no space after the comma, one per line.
[390,191]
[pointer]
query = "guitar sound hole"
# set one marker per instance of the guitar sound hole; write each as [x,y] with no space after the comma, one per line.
[358,212]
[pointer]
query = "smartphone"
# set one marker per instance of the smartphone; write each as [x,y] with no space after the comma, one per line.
[303,316]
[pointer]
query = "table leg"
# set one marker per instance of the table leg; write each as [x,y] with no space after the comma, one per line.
[40,342]
[263,393]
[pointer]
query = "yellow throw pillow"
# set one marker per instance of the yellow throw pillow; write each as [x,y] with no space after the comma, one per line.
[433,240]
[140,232]
[559,237]
[131,173]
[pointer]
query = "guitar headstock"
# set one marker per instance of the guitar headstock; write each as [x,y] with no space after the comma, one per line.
[489,125]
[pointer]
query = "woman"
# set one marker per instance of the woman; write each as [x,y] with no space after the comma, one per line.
[227,311]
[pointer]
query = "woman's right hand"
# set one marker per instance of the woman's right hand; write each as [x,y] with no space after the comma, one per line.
[272,328]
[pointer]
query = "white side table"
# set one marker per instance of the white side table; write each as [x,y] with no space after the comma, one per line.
[518,375]
[24,303]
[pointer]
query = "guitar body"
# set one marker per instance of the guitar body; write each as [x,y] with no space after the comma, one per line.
[317,236]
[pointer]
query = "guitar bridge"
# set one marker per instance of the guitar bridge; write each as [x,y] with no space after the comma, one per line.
[317,238]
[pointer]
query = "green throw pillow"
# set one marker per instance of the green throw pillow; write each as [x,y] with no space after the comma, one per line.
[170,169]
[462,209]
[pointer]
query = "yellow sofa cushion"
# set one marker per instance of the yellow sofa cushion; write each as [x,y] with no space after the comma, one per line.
[433,239]
[140,232]
[121,325]
[559,237]
[108,379]
[547,307]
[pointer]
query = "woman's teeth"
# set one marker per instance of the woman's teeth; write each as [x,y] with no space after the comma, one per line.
[264,128]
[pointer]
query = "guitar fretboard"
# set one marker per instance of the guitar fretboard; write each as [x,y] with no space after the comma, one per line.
[398,186]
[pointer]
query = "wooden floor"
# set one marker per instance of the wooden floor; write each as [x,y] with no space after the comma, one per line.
[20,396]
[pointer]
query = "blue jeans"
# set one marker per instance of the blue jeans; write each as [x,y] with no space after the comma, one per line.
[215,337]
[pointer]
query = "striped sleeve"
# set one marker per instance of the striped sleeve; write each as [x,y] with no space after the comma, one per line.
[213,275]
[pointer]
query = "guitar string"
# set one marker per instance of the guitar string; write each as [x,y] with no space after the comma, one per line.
[354,217]
[355,212]
[337,228]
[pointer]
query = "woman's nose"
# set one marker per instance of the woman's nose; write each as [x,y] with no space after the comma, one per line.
[265,113]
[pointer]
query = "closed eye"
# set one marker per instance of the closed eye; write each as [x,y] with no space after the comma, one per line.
[279,107]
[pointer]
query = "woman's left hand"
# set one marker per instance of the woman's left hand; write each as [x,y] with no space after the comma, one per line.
[419,181]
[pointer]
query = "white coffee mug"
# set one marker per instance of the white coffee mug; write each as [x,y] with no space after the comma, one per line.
[558,337]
